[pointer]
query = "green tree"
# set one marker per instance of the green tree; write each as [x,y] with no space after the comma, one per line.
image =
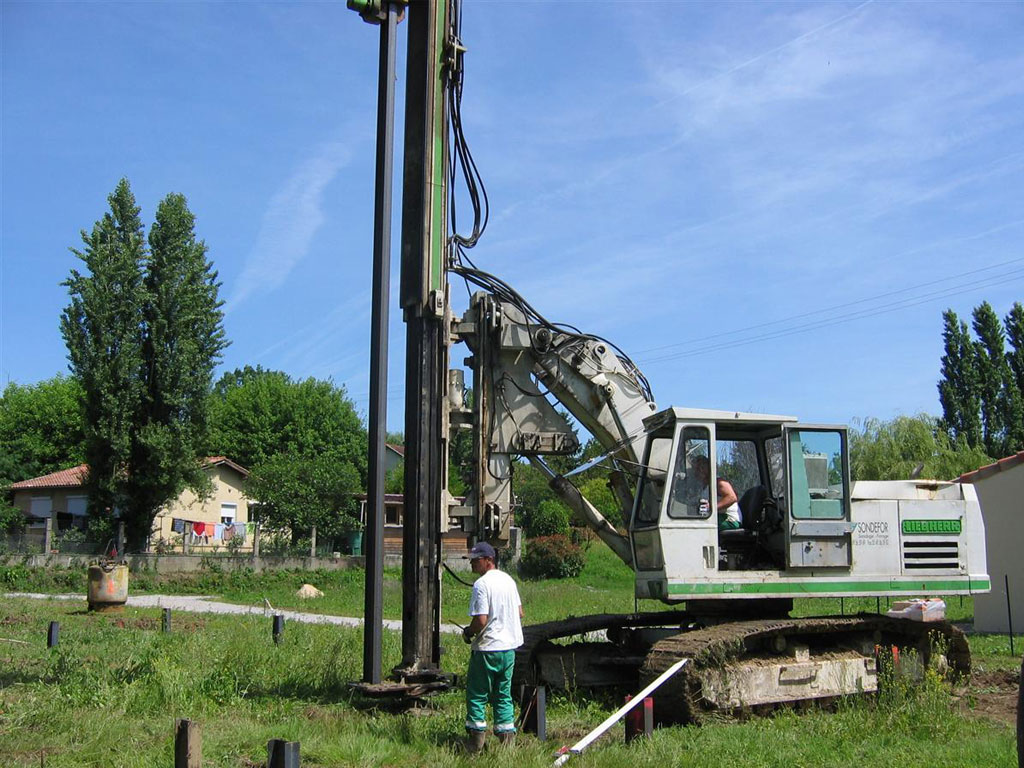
[596,491]
[256,414]
[144,331]
[1014,324]
[958,387]
[41,429]
[274,426]
[182,340]
[299,491]
[996,387]
[550,518]
[102,327]
[909,446]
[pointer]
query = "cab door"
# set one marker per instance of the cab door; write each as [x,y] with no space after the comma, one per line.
[818,527]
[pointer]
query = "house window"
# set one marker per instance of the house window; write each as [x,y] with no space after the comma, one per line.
[227,512]
[392,514]
[40,509]
[77,506]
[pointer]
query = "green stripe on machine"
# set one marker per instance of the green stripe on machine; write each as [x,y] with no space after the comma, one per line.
[817,587]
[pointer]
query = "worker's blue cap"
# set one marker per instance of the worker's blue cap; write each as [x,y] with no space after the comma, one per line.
[481,549]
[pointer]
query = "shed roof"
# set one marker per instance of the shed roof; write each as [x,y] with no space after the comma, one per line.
[990,469]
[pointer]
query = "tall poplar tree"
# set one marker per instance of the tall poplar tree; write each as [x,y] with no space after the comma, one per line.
[1015,336]
[144,331]
[1014,323]
[102,327]
[996,388]
[958,387]
[183,337]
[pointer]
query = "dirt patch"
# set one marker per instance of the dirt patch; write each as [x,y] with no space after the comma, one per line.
[991,695]
[13,621]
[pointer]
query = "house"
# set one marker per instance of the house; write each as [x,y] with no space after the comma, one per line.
[454,541]
[61,496]
[393,456]
[1000,488]
[226,506]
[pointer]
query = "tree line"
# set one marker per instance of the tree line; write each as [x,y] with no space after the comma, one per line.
[981,389]
[144,332]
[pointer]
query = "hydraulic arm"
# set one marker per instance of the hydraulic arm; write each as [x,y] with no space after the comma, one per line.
[518,357]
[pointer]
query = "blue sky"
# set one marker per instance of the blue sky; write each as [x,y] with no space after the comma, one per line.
[767,205]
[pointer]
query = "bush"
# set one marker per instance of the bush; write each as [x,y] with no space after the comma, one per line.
[551,518]
[12,519]
[552,557]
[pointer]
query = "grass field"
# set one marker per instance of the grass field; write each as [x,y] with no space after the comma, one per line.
[109,693]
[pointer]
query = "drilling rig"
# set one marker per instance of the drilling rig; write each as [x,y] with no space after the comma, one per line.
[807,529]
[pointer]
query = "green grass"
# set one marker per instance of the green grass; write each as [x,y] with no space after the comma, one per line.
[109,693]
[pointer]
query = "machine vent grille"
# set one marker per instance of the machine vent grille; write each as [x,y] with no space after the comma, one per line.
[919,555]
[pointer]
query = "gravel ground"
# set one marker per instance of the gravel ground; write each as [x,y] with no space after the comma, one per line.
[199,604]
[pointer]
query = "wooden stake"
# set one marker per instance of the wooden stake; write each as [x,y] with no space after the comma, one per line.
[188,744]
[282,754]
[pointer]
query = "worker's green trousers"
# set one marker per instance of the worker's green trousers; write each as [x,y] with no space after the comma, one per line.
[490,680]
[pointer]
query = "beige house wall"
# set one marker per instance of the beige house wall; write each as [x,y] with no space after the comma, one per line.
[58,498]
[227,489]
[1002,506]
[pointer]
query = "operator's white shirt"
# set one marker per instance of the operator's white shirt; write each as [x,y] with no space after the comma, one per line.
[496,596]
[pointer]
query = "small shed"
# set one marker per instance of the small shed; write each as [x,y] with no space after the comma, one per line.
[1000,488]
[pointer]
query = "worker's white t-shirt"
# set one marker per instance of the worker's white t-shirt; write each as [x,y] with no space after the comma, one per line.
[496,596]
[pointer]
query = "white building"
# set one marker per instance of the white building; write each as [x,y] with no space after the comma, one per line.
[1000,488]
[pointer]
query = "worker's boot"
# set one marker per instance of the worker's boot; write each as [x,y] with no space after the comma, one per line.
[506,738]
[475,741]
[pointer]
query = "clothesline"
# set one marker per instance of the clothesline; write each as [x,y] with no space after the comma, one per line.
[202,532]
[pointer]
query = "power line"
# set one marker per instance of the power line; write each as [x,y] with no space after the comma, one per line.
[832,308]
[1001,279]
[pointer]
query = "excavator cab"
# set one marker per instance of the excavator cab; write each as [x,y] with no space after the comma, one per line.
[788,484]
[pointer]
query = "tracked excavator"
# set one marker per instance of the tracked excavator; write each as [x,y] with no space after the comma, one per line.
[806,530]
[725,597]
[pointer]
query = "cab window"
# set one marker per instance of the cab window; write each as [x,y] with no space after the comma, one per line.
[691,477]
[651,489]
[816,474]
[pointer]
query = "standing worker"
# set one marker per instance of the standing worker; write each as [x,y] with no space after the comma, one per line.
[495,631]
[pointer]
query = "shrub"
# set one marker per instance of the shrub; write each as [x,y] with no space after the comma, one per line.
[552,557]
[12,519]
[551,518]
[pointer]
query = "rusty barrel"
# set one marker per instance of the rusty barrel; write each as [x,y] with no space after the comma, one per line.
[108,586]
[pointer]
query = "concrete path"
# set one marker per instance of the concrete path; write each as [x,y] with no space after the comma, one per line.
[193,604]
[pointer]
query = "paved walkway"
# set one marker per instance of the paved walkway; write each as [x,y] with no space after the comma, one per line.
[193,604]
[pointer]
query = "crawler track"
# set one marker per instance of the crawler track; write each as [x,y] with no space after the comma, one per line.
[736,645]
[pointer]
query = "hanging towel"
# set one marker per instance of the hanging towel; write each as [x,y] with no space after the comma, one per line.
[199,529]
[177,525]
[218,532]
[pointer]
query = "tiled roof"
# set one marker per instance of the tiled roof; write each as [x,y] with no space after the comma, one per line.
[65,478]
[990,469]
[399,449]
[75,476]
[215,460]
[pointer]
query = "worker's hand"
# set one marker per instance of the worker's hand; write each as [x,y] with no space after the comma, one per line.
[467,635]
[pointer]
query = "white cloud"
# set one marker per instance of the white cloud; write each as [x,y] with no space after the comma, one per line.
[290,222]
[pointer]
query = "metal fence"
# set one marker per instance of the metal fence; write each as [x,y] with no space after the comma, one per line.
[33,543]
